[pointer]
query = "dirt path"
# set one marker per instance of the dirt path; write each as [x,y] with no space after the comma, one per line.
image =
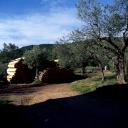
[32,95]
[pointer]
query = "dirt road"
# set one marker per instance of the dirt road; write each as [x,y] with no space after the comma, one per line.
[32,95]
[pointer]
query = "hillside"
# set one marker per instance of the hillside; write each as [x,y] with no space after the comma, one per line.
[49,47]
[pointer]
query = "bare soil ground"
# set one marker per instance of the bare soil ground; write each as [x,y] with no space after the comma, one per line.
[27,95]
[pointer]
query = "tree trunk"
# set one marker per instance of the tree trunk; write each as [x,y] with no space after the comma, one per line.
[126,70]
[102,71]
[125,67]
[120,69]
[83,70]
[103,75]
[36,77]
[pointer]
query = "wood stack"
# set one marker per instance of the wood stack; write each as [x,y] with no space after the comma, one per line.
[18,72]
[56,75]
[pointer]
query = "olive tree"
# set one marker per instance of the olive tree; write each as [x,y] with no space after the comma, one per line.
[87,50]
[35,57]
[107,25]
[63,50]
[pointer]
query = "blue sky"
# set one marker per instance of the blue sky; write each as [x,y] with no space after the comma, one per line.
[26,22]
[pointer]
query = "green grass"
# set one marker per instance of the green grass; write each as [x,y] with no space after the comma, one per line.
[36,82]
[93,82]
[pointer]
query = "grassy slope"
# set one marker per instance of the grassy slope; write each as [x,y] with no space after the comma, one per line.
[93,82]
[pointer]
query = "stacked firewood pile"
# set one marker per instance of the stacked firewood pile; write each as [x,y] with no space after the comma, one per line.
[49,72]
[18,72]
[56,75]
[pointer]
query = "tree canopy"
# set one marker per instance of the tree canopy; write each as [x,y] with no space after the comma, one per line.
[107,25]
[9,47]
[35,57]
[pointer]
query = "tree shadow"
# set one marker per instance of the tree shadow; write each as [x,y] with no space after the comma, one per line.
[20,89]
[30,88]
[107,107]
[112,77]
[64,79]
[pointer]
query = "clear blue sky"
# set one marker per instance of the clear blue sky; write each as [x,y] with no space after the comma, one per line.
[26,22]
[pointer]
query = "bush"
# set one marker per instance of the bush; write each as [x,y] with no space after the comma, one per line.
[3,69]
[5,101]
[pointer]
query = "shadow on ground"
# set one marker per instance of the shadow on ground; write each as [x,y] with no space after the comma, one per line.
[107,107]
[64,79]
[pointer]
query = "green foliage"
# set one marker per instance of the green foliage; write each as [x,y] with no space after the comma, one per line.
[36,81]
[74,51]
[35,57]
[9,52]
[9,47]
[65,55]
[81,56]
[87,51]
[71,52]
[48,47]
[5,101]
[7,56]
[3,68]
[107,26]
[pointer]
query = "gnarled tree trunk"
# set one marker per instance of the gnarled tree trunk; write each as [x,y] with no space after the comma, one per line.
[83,70]
[120,69]
[36,76]
[102,71]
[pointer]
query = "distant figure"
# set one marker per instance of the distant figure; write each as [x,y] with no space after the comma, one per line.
[105,68]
